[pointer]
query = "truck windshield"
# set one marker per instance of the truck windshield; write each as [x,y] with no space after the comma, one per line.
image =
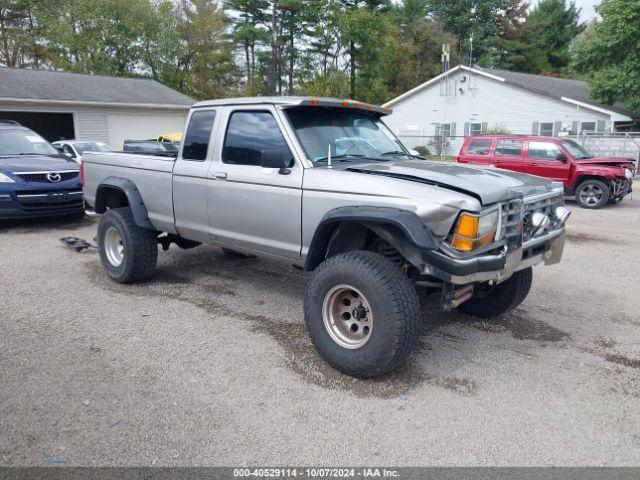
[576,150]
[348,132]
[20,142]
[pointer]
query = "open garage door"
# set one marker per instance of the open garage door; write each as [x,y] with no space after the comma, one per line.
[52,126]
[123,126]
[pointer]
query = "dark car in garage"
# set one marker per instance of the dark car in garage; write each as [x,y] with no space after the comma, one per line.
[35,179]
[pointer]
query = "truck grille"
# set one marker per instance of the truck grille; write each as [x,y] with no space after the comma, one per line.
[511,220]
[41,177]
[544,205]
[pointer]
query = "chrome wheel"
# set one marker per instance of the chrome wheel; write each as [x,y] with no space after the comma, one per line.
[347,316]
[591,195]
[113,247]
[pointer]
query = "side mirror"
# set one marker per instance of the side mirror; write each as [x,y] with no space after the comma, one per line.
[59,149]
[273,159]
[415,153]
[562,157]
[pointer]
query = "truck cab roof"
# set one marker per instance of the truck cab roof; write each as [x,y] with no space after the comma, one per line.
[294,102]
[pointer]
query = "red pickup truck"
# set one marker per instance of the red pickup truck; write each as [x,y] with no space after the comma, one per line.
[593,181]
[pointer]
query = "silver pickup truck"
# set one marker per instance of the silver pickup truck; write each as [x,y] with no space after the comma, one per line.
[325,185]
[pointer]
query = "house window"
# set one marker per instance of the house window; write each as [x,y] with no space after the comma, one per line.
[475,128]
[444,129]
[587,127]
[546,129]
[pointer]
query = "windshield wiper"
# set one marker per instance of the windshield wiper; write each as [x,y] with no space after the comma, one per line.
[400,152]
[339,157]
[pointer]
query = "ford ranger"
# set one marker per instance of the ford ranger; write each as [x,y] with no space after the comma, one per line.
[324,185]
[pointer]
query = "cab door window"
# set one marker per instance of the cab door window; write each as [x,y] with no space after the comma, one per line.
[508,148]
[544,150]
[249,134]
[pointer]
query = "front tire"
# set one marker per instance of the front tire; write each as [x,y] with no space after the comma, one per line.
[362,313]
[128,253]
[592,194]
[490,301]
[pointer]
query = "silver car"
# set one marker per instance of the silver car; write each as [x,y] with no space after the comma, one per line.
[325,185]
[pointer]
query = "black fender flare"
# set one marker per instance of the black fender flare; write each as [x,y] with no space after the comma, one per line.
[415,232]
[129,189]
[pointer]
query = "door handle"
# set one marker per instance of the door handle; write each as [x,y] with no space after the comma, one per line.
[532,164]
[220,175]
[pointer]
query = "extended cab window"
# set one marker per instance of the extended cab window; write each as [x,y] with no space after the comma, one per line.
[508,148]
[479,146]
[251,133]
[544,150]
[196,141]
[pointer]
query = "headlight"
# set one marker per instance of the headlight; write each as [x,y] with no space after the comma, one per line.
[628,173]
[475,231]
[5,179]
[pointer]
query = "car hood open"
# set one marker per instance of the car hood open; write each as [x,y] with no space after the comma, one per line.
[36,163]
[489,185]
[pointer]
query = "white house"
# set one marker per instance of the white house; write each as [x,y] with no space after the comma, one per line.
[471,101]
[61,105]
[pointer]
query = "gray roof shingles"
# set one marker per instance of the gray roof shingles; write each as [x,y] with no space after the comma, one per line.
[75,87]
[556,87]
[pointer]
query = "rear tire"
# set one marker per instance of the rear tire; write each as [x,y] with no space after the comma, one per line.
[592,194]
[128,253]
[362,313]
[500,298]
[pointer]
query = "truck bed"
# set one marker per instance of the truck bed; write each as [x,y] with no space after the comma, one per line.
[150,173]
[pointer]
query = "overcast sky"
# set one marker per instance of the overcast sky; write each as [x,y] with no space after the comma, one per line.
[587,12]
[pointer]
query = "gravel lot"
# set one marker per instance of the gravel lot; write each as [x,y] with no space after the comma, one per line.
[209,364]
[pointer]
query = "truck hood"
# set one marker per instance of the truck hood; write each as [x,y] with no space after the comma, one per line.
[489,185]
[604,161]
[36,163]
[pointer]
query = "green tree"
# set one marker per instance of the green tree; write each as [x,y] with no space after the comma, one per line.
[479,19]
[419,56]
[21,40]
[97,36]
[249,30]
[520,42]
[551,27]
[610,53]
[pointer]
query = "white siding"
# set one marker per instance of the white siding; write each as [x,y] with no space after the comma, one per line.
[489,101]
[91,125]
[141,125]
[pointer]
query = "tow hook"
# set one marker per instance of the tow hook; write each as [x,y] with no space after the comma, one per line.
[453,296]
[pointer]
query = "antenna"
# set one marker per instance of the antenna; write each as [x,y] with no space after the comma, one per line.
[445,57]
[470,61]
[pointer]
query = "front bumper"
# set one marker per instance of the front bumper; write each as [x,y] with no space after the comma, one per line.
[499,267]
[38,204]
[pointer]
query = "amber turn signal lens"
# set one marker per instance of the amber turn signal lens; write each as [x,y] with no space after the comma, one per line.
[467,225]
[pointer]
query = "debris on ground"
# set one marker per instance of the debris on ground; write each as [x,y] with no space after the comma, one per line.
[78,244]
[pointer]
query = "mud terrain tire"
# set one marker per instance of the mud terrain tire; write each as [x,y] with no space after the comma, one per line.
[128,253]
[388,296]
[501,298]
